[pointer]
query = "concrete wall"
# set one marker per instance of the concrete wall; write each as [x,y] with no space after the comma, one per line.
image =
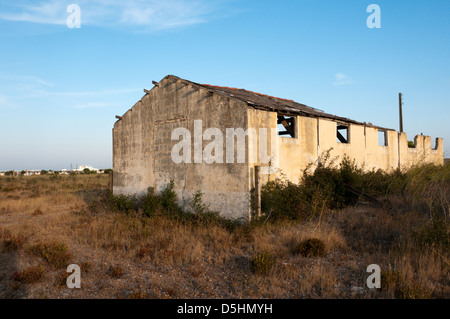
[422,151]
[314,137]
[142,148]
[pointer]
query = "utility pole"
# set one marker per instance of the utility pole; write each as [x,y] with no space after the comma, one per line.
[400,104]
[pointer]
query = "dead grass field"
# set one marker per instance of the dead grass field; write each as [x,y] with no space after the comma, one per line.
[49,222]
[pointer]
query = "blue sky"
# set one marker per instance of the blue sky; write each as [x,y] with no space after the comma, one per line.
[60,88]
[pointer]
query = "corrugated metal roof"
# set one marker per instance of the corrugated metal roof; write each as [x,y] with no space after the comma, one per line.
[271,103]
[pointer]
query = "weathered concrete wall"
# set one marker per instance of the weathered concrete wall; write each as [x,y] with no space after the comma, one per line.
[422,151]
[142,148]
[314,137]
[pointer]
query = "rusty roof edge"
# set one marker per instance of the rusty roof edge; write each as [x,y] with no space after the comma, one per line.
[320,113]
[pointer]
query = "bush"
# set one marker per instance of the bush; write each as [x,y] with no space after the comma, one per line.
[61,279]
[116,272]
[395,281]
[412,291]
[425,188]
[55,254]
[14,243]
[434,233]
[391,279]
[122,203]
[283,199]
[262,263]
[312,247]
[150,203]
[169,199]
[197,203]
[30,275]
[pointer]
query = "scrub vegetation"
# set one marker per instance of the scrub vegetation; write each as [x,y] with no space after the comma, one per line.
[314,240]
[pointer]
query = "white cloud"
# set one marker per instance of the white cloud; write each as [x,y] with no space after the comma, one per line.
[28,80]
[147,15]
[342,79]
[49,12]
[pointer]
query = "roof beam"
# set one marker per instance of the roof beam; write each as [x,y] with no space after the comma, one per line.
[341,138]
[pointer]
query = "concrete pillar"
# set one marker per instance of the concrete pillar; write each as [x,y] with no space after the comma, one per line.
[258,190]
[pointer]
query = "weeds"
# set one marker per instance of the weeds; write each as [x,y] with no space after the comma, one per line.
[55,254]
[137,294]
[434,233]
[30,275]
[402,289]
[187,249]
[262,263]
[424,188]
[14,243]
[116,272]
[61,279]
[312,247]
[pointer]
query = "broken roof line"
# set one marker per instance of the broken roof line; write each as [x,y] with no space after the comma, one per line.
[230,88]
[267,102]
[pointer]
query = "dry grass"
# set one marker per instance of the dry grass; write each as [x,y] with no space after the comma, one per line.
[29,275]
[51,222]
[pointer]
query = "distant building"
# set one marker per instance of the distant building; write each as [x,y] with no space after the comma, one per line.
[81,168]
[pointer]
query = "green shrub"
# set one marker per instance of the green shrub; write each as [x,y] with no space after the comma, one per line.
[283,199]
[262,263]
[435,232]
[56,254]
[425,188]
[312,247]
[122,203]
[169,199]
[197,203]
[150,203]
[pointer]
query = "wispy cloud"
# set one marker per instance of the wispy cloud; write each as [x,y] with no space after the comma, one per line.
[146,15]
[47,12]
[342,79]
[29,80]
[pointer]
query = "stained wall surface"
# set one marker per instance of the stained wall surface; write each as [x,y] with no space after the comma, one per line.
[142,146]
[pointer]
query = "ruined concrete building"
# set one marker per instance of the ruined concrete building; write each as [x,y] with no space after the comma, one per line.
[191,134]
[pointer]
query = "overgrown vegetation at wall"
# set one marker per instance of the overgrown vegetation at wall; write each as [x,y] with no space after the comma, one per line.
[423,188]
[165,204]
